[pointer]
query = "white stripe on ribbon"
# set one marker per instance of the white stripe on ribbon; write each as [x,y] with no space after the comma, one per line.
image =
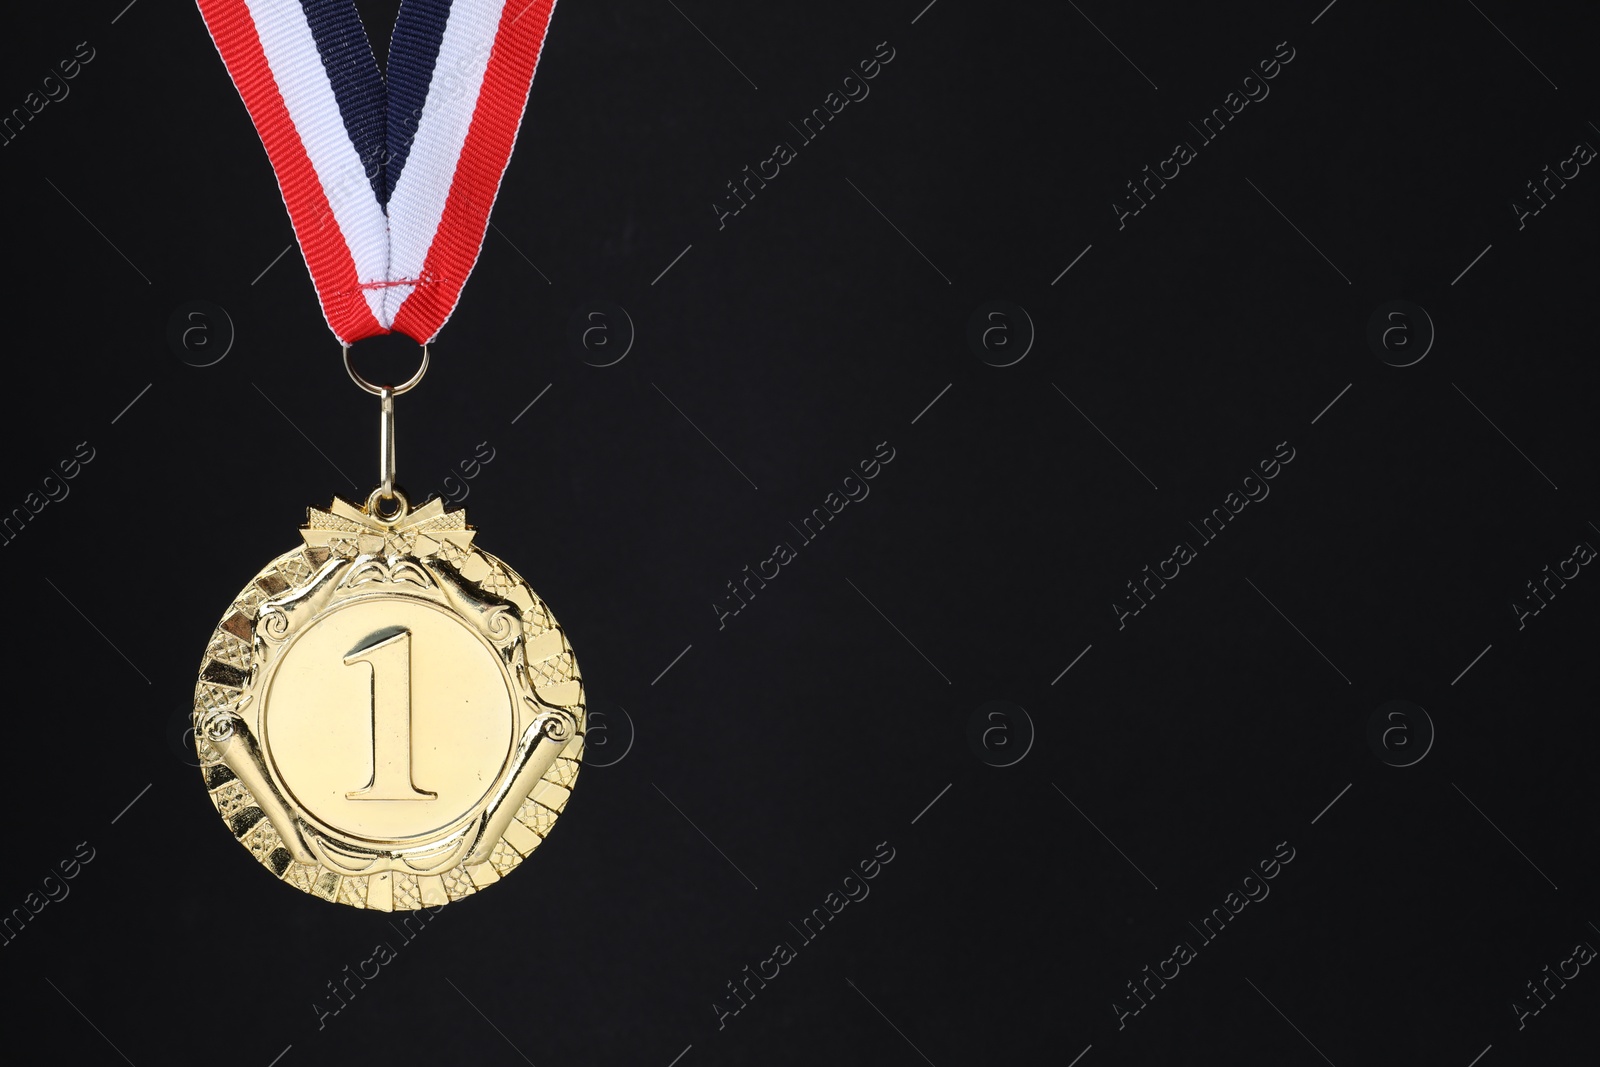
[418,201]
[296,65]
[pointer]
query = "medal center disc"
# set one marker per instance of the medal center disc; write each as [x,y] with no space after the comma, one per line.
[387,719]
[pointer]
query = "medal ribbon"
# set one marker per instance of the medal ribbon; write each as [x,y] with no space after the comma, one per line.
[388,181]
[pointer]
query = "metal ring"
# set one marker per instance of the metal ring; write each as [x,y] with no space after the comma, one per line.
[377,390]
[401,511]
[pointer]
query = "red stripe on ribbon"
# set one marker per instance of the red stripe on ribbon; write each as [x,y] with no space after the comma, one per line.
[333,270]
[484,156]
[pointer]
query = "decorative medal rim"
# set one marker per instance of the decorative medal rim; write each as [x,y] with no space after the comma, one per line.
[354,554]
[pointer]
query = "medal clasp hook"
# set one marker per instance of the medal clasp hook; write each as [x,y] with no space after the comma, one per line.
[386,491]
[386,443]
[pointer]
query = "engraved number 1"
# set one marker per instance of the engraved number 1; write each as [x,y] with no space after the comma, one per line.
[390,659]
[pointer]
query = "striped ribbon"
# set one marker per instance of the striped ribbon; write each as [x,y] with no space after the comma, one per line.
[388,179]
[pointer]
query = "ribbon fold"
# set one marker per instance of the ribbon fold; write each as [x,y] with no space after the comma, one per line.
[388,180]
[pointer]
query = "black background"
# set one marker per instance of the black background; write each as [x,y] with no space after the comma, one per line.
[826,716]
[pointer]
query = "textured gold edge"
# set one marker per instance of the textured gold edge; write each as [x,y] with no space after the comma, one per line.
[388,890]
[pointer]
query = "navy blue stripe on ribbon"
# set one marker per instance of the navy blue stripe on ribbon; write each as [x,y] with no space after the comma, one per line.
[413,53]
[357,86]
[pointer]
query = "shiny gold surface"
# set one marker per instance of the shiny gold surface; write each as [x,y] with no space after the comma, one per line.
[388,717]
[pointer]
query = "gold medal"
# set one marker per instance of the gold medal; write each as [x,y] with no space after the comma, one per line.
[387,716]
